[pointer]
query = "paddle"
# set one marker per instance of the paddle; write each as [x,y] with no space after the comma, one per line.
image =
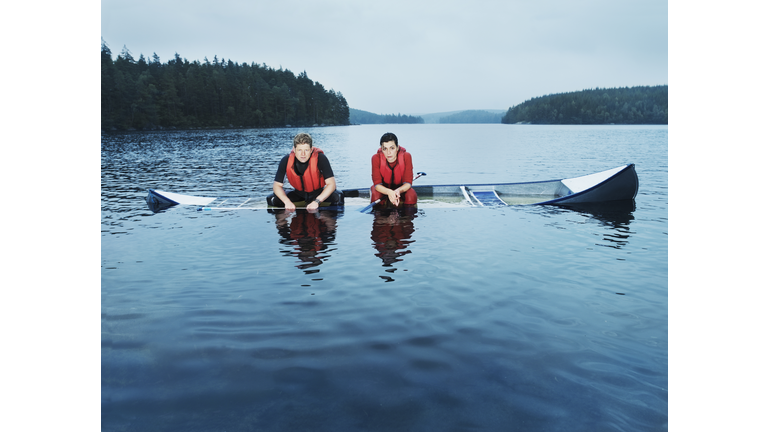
[370,206]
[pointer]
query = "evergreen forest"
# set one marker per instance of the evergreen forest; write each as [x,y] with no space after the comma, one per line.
[625,105]
[357,116]
[147,94]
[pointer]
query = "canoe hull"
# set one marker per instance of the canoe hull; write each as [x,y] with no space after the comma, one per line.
[621,186]
[617,184]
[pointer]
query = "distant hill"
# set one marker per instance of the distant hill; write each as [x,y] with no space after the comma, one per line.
[364,117]
[474,116]
[626,105]
[435,117]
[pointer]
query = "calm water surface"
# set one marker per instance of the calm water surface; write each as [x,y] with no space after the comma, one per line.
[496,319]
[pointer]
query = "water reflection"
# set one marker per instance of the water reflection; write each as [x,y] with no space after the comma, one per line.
[308,234]
[391,235]
[615,215]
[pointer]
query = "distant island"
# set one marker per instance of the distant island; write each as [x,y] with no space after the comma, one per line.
[625,105]
[357,116]
[149,95]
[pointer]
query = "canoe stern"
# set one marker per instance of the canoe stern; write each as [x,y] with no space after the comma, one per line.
[621,185]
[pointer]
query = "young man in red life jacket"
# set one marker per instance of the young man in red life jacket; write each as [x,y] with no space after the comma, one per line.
[310,174]
[392,173]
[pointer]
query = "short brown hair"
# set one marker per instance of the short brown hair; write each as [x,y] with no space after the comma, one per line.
[302,138]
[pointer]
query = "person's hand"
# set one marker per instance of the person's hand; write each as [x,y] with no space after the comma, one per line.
[313,206]
[394,197]
[290,206]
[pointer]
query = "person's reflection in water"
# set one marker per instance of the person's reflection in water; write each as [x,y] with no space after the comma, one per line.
[391,235]
[309,235]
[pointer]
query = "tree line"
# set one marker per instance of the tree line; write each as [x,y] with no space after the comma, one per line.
[624,105]
[357,116]
[148,94]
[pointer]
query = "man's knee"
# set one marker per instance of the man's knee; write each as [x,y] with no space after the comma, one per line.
[274,201]
[336,198]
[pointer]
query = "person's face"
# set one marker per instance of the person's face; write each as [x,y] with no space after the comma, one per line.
[390,151]
[303,152]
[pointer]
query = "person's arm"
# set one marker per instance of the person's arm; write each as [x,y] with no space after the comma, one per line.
[328,189]
[277,188]
[375,174]
[324,165]
[408,175]
[277,185]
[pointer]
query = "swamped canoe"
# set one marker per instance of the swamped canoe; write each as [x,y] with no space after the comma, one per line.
[615,184]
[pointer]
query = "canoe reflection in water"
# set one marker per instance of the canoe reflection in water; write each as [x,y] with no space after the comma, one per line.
[391,235]
[614,216]
[309,235]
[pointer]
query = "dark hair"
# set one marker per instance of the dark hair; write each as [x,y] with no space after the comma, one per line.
[387,137]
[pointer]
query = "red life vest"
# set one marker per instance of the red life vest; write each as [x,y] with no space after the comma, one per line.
[312,179]
[306,232]
[392,176]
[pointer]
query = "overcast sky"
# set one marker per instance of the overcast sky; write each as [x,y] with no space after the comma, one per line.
[411,57]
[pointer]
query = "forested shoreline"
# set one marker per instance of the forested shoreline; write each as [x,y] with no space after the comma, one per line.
[357,116]
[149,95]
[625,105]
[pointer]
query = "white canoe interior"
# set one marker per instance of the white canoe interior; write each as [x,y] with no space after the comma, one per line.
[578,184]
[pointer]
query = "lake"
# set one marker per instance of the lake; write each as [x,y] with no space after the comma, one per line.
[456,319]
